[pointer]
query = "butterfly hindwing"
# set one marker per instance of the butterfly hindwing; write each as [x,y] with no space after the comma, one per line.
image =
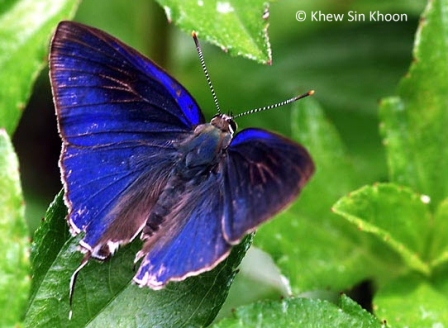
[263,173]
[119,115]
[192,239]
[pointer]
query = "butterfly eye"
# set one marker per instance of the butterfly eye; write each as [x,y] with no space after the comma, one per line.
[232,125]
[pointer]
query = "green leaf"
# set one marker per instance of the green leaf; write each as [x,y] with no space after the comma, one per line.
[414,123]
[300,312]
[410,301]
[438,252]
[239,27]
[104,295]
[14,262]
[308,242]
[395,215]
[25,29]
[48,240]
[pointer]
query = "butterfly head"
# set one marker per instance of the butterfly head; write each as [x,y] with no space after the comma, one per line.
[225,123]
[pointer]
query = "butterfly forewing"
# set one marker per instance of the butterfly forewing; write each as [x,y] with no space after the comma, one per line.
[119,115]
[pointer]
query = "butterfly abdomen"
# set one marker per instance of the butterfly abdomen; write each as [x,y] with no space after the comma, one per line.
[199,156]
[167,200]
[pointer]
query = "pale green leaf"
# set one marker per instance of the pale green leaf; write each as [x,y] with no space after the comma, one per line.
[25,31]
[14,240]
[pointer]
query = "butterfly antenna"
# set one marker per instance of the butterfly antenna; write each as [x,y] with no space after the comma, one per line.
[204,68]
[285,102]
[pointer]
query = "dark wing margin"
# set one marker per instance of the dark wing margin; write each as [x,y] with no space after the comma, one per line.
[263,173]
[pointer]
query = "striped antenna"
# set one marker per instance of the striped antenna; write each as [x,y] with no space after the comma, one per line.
[204,68]
[285,102]
[215,99]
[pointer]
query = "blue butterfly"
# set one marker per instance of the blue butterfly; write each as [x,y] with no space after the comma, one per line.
[139,159]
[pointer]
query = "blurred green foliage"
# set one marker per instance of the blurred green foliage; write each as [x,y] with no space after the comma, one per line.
[392,234]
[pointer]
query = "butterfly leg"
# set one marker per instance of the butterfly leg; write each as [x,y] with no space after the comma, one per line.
[84,261]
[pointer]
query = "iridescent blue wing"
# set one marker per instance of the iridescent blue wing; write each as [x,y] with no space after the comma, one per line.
[119,115]
[263,173]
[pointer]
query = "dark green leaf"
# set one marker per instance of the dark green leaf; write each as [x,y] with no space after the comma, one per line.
[239,27]
[48,241]
[104,296]
[25,29]
[14,240]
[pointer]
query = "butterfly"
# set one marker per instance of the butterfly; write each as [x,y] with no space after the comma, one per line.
[138,158]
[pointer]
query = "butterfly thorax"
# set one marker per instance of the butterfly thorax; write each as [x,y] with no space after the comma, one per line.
[206,147]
